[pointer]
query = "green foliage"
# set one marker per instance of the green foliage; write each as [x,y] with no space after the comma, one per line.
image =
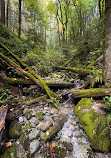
[105,126]
[13,43]
[96,76]
[107,103]
[49,60]
[5,98]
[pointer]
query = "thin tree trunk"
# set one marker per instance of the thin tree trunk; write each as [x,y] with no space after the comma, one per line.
[3,11]
[19,33]
[8,2]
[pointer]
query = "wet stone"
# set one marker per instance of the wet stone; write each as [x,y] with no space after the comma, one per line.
[34,120]
[34,135]
[65,139]
[34,146]
[44,125]
[21,119]
[78,134]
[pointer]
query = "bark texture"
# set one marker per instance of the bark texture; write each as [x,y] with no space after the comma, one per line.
[107,54]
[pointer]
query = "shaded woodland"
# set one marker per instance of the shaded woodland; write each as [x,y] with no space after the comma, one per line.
[50,50]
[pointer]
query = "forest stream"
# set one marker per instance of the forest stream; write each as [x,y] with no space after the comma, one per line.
[70,140]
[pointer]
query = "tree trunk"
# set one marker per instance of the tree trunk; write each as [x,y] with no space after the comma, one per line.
[107,55]
[92,92]
[19,81]
[19,32]
[3,11]
[8,4]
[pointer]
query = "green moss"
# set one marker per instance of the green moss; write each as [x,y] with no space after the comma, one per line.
[90,122]
[15,131]
[92,92]
[27,127]
[40,115]
[10,152]
[24,140]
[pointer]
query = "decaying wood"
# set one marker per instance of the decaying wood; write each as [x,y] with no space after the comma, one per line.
[82,72]
[54,129]
[12,115]
[33,77]
[17,81]
[27,103]
[13,55]
[92,92]
[3,113]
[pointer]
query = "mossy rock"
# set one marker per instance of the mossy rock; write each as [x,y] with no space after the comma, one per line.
[91,121]
[40,115]
[15,131]
[24,140]
[10,152]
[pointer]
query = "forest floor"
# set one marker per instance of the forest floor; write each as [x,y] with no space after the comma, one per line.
[28,130]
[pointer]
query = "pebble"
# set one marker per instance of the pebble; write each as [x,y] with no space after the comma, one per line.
[34,120]
[73,122]
[21,119]
[53,111]
[34,146]
[78,134]
[65,139]
[34,135]
[44,125]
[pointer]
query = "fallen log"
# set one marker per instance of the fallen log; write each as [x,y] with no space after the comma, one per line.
[17,81]
[33,77]
[68,61]
[82,72]
[3,114]
[92,92]
[13,55]
[54,129]
[12,115]
[27,103]
[95,62]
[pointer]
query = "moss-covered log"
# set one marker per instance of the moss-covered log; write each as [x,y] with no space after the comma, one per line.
[94,62]
[54,129]
[82,72]
[27,103]
[92,92]
[33,77]
[69,61]
[14,56]
[16,81]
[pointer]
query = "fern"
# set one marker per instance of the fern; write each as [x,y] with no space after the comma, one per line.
[96,76]
[105,126]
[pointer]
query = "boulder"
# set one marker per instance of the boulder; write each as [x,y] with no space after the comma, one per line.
[15,131]
[91,121]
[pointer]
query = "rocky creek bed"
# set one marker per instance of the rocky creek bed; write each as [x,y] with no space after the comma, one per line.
[28,132]
[70,142]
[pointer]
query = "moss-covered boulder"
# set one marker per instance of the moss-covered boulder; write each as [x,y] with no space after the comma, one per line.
[91,119]
[10,152]
[15,131]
